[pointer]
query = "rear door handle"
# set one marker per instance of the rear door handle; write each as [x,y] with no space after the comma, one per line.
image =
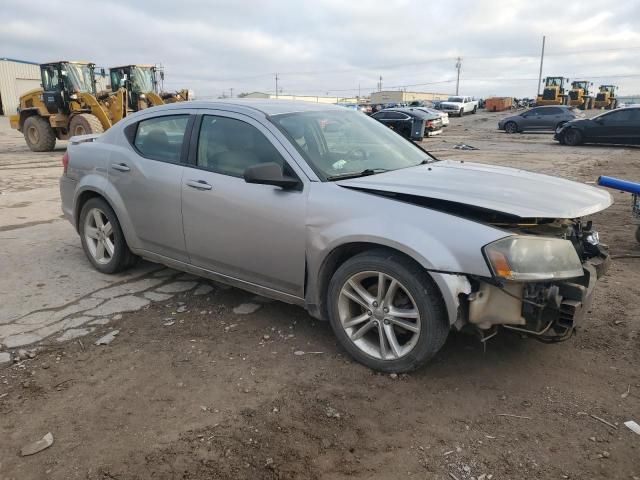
[121,167]
[199,184]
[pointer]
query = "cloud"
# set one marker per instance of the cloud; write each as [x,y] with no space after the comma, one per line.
[333,46]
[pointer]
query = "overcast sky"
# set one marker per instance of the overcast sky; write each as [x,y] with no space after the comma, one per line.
[334,46]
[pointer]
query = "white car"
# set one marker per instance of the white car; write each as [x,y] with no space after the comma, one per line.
[443,116]
[459,105]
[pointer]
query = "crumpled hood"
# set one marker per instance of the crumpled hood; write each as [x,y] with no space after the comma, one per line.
[501,189]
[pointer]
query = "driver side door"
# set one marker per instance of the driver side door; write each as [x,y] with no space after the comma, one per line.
[249,232]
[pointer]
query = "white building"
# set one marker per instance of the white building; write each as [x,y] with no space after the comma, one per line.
[16,77]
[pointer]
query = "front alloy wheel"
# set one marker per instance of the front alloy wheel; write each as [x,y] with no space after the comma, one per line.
[379,315]
[386,311]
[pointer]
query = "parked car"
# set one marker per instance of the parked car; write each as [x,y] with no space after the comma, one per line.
[620,126]
[323,207]
[539,118]
[411,123]
[444,117]
[459,105]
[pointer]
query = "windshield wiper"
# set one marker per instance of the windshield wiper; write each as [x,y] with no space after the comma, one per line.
[362,173]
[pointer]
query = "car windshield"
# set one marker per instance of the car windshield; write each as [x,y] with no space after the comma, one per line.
[141,80]
[80,77]
[344,143]
[455,99]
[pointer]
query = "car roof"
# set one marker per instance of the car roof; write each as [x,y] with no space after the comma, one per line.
[415,110]
[265,106]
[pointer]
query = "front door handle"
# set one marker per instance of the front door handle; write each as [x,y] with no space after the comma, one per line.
[199,184]
[121,167]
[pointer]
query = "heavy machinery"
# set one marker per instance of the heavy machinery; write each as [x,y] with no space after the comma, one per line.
[66,105]
[580,95]
[553,92]
[141,83]
[606,97]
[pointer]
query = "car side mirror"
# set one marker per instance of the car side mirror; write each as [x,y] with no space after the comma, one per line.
[270,173]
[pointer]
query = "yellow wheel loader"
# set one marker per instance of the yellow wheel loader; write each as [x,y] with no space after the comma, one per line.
[66,105]
[554,92]
[580,95]
[141,83]
[606,97]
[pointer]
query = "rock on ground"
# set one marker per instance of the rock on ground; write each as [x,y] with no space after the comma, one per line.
[5,357]
[246,308]
[74,333]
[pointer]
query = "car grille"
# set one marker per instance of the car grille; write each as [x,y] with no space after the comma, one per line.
[573,95]
[600,97]
[549,94]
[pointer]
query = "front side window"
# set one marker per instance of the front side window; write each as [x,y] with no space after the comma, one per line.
[79,78]
[229,146]
[339,143]
[142,80]
[620,116]
[160,138]
[50,79]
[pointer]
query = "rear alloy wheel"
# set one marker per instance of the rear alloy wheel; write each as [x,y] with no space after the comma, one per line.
[511,127]
[572,137]
[38,134]
[85,124]
[102,238]
[386,311]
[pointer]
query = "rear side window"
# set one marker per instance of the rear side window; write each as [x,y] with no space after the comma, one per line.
[160,138]
[396,116]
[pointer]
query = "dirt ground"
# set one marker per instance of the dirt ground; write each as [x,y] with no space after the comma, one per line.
[206,393]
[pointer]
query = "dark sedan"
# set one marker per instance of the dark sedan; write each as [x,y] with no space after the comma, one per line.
[539,118]
[620,127]
[411,123]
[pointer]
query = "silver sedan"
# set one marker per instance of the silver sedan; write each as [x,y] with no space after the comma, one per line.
[328,209]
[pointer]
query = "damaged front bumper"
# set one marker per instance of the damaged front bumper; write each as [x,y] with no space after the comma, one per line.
[548,311]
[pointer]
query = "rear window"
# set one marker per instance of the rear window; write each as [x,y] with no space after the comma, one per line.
[160,138]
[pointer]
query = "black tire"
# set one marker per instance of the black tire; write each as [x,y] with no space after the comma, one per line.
[475,109]
[638,234]
[38,134]
[433,315]
[511,127]
[122,257]
[84,124]
[461,112]
[572,137]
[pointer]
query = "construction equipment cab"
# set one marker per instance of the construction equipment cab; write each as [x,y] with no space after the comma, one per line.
[141,83]
[580,95]
[554,92]
[65,105]
[606,97]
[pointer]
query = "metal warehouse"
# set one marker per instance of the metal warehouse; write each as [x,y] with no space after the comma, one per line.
[16,77]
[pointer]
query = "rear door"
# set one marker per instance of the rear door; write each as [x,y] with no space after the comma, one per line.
[254,233]
[146,176]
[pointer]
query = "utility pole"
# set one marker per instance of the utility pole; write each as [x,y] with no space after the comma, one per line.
[458,66]
[276,85]
[380,84]
[231,92]
[541,60]
[358,91]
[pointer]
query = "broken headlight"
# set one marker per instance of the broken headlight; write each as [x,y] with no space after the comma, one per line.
[523,258]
